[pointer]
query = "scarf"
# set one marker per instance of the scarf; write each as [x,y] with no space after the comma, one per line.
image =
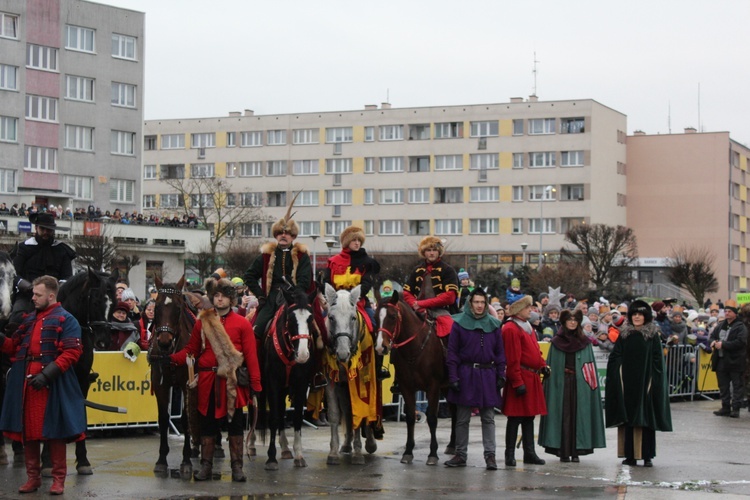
[469,321]
[525,325]
[567,341]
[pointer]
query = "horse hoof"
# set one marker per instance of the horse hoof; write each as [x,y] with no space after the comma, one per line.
[407,459]
[47,472]
[252,452]
[286,455]
[358,460]
[432,460]
[371,447]
[347,448]
[186,472]
[450,450]
[84,470]
[300,462]
[160,470]
[272,466]
[333,460]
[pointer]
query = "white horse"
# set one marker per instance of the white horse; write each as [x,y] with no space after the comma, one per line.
[344,333]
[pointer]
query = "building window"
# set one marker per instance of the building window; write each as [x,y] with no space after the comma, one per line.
[149,143]
[449,162]
[203,140]
[539,126]
[309,228]
[307,199]
[252,229]
[8,77]
[79,187]
[571,192]
[173,141]
[419,132]
[79,138]
[41,57]
[339,134]
[391,132]
[79,88]
[80,39]
[392,164]
[202,170]
[449,195]
[449,130]
[391,196]
[369,228]
[419,195]
[369,196]
[123,47]
[276,137]
[8,129]
[369,134]
[276,198]
[231,139]
[483,226]
[538,193]
[251,168]
[517,127]
[419,164]
[621,200]
[306,167]
[176,171]
[149,172]
[571,159]
[339,166]
[231,169]
[448,226]
[517,226]
[419,227]
[542,159]
[251,139]
[121,190]
[41,108]
[484,194]
[171,201]
[276,168]
[572,126]
[486,161]
[231,200]
[369,165]
[336,227]
[339,197]
[305,136]
[7,180]
[251,199]
[123,143]
[149,201]
[202,200]
[38,158]
[123,94]
[549,226]
[484,129]
[8,25]
[568,223]
[391,227]
[517,193]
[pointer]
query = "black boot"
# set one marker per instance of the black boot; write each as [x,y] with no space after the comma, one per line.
[527,435]
[724,412]
[511,435]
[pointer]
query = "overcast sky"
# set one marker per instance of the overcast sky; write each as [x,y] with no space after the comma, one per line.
[645,58]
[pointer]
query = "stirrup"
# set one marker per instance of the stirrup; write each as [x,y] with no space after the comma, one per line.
[319,381]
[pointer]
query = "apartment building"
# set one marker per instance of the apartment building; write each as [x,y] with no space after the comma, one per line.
[499,182]
[689,190]
[71,88]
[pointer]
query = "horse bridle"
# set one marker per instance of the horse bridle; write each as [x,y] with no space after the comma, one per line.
[392,336]
[91,324]
[288,341]
[168,292]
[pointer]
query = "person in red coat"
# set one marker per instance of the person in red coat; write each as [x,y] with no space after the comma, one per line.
[524,396]
[214,348]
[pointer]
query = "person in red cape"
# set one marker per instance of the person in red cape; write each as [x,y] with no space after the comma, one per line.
[43,401]
[213,345]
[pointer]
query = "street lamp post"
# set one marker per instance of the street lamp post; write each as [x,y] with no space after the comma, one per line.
[314,237]
[523,256]
[548,189]
[329,244]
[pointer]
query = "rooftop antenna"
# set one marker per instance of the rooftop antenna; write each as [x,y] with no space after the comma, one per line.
[387,95]
[534,72]
[700,126]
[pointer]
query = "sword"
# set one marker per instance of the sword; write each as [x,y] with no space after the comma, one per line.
[98,406]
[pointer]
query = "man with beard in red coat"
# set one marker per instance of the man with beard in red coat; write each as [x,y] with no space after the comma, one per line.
[524,395]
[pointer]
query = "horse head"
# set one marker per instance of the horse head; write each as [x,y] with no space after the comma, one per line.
[89,296]
[167,315]
[389,318]
[7,277]
[297,323]
[342,322]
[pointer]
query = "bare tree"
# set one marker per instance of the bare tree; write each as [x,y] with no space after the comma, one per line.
[606,250]
[692,268]
[97,252]
[202,263]
[571,277]
[126,262]
[395,267]
[214,205]
[240,254]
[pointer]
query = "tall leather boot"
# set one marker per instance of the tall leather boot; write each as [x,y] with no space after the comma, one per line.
[511,435]
[58,454]
[207,459]
[3,453]
[527,430]
[33,467]
[235,452]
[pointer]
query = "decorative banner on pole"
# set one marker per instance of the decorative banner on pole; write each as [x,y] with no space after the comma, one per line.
[91,228]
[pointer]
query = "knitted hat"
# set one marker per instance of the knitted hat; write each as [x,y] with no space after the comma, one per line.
[534,317]
[462,274]
[127,294]
[543,295]
[429,242]
[551,307]
[519,305]
[658,306]
[350,234]
[122,306]
[592,310]
[224,286]
[237,281]
[619,321]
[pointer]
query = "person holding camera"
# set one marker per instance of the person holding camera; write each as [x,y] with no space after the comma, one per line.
[476,372]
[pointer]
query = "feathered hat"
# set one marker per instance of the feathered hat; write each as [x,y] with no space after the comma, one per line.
[431,242]
[350,234]
[286,223]
[223,285]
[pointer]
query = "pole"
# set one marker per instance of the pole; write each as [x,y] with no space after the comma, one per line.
[541,229]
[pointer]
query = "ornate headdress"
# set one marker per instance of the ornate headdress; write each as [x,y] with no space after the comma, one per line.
[286,223]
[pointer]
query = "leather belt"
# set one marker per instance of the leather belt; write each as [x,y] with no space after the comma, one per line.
[532,370]
[481,365]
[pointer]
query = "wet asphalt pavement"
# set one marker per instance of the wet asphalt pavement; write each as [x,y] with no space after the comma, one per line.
[706,457]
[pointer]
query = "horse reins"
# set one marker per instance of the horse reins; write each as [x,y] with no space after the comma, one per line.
[397,331]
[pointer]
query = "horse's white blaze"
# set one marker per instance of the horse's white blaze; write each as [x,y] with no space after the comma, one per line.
[7,272]
[107,306]
[303,349]
[167,300]
[379,343]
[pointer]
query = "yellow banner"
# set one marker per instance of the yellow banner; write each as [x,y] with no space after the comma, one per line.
[706,378]
[124,384]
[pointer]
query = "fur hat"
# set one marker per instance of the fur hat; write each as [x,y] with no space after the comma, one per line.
[519,305]
[350,234]
[568,314]
[639,306]
[431,242]
[286,224]
[225,286]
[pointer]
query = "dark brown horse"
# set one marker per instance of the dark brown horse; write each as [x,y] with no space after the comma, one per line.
[173,324]
[418,356]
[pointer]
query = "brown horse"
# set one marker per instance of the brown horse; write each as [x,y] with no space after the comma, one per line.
[419,358]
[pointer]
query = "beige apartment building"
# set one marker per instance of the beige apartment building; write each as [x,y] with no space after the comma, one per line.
[480,176]
[690,189]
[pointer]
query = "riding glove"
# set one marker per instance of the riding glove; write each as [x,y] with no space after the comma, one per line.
[545,371]
[44,378]
[500,383]
[24,286]
[455,386]
[521,390]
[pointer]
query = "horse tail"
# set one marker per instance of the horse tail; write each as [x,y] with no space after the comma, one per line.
[262,424]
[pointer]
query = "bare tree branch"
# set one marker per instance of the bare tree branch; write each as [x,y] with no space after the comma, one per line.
[692,268]
[605,249]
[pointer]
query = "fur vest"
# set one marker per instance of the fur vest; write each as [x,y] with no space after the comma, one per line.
[269,260]
[649,330]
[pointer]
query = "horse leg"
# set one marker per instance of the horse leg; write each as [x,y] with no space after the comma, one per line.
[186,467]
[251,449]
[357,457]
[451,448]
[299,408]
[161,467]
[82,462]
[334,417]
[273,423]
[433,398]
[410,408]
[371,446]
[345,407]
[286,453]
